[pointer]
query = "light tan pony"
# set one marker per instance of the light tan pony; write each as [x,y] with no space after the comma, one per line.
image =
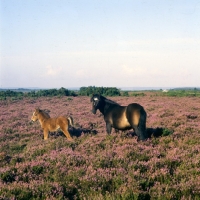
[49,124]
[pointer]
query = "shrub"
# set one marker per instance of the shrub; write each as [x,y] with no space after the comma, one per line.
[166,132]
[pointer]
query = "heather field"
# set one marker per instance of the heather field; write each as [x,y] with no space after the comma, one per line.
[96,165]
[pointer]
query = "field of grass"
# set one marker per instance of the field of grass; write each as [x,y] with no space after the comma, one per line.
[96,165]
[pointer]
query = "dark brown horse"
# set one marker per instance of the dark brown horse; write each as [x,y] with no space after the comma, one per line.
[120,117]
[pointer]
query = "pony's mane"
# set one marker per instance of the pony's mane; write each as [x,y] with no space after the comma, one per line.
[44,113]
[109,101]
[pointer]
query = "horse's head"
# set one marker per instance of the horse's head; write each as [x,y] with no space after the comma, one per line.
[35,115]
[39,113]
[95,99]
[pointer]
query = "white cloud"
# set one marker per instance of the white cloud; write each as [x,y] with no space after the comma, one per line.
[53,71]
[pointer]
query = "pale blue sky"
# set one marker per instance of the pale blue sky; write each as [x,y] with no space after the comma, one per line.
[119,43]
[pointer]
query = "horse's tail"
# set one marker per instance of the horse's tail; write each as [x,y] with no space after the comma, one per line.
[71,121]
[142,124]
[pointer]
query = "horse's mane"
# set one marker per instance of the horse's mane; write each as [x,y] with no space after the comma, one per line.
[44,113]
[109,101]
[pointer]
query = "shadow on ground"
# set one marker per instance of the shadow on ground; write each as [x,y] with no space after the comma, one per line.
[155,132]
[78,131]
[151,132]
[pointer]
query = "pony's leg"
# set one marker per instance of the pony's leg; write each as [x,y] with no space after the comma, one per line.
[140,129]
[108,128]
[140,132]
[46,133]
[66,132]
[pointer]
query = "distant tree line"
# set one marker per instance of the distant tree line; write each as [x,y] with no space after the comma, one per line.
[88,91]
[10,93]
[105,91]
[40,93]
[182,93]
[84,91]
[51,92]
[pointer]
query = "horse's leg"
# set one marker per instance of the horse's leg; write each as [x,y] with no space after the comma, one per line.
[137,121]
[141,132]
[66,132]
[46,133]
[108,127]
[137,132]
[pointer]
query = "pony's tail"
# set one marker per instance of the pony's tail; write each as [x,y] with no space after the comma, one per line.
[142,125]
[71,121]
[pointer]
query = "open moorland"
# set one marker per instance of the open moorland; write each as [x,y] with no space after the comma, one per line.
[96,165]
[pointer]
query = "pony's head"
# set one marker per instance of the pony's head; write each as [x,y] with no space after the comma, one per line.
[42,113]
[95,99]
[35,114]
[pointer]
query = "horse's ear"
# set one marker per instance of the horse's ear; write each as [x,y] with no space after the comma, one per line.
[91,98]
